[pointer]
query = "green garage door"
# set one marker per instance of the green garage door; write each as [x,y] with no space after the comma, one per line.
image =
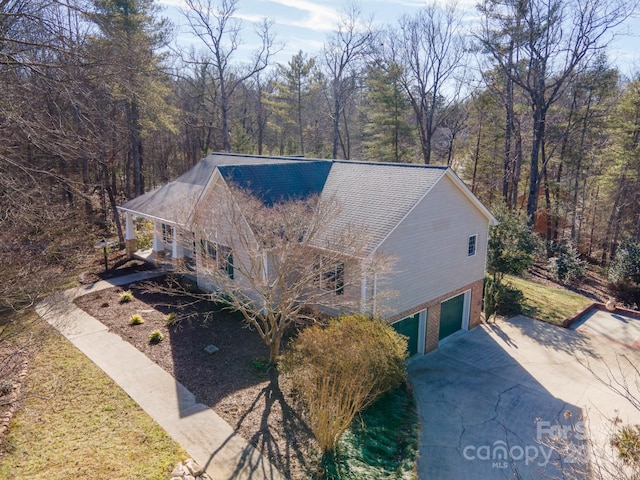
[451,316]
[409,327]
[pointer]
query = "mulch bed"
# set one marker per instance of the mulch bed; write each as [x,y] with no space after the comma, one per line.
[233,381]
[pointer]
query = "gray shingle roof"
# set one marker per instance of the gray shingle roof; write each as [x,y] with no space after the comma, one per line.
[171,201]
[370,198]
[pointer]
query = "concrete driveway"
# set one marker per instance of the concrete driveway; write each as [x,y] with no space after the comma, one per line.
[493,401]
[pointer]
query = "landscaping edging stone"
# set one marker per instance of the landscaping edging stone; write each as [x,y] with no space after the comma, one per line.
[189,470]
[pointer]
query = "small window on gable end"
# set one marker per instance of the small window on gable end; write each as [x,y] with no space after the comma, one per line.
[473,240]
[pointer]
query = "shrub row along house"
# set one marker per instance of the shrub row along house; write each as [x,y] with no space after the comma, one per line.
[406,243]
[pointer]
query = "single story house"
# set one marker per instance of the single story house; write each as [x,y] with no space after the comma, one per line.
[423,216]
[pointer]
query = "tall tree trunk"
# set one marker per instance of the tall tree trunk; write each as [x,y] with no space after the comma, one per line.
[593,220]
[534,175]
[476,155]
[576,180]
[517,163]
[224,114]
[300,125]
[556,214]
[135,146]
[507,168]
[336,120]
[86,180]
[606,243]
[109,187]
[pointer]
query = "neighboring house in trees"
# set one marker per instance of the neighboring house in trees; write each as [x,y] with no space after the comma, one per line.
[423,217]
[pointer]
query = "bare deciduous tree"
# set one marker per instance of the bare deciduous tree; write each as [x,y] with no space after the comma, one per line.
[343,53]
[276,263]
[430,49]
[218,29]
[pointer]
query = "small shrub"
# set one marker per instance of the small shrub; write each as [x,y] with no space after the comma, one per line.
[171,319]
[126,296]
[501,299]
[144,234]
[136,319]
[566,266]
[261,365]
[626,263]
[627,442]
[156,337]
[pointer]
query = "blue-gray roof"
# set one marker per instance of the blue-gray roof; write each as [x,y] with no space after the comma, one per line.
[371,198]
[277,182]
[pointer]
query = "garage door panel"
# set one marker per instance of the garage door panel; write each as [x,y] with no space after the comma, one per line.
[451,315]
[409,327]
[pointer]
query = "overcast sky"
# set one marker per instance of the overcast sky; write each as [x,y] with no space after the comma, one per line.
[305,24]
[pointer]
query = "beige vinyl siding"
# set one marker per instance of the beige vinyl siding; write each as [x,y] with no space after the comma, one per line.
[215,226]
[430,247]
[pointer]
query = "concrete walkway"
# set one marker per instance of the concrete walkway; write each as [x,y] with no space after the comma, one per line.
[201,432]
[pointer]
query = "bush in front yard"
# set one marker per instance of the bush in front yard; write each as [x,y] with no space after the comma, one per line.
[171,319]
[501,299]
[126,297]
[136,319]
[156,337]
[343,368]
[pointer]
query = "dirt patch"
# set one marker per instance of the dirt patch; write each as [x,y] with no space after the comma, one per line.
[233,381]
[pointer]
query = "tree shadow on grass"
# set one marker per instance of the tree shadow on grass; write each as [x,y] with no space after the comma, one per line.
[381,442]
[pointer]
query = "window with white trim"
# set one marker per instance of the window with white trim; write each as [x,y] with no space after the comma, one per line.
[473,242]
[220,255]
[331,277]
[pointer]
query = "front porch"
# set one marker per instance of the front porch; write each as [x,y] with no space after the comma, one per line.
[161,243]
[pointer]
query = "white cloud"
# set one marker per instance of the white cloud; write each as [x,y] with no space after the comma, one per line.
[172,3]
[318,17]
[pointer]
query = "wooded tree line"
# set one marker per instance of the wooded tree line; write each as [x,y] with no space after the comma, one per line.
[98,105]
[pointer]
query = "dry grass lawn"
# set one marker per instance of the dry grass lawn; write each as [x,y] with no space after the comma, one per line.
[76,423]
[550,303]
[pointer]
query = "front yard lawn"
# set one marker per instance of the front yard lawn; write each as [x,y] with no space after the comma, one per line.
[549,303]
[76,423]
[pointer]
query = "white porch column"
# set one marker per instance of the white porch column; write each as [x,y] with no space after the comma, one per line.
[363,295]
[130,231]
[130,235]
[157,238]
[176,251]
